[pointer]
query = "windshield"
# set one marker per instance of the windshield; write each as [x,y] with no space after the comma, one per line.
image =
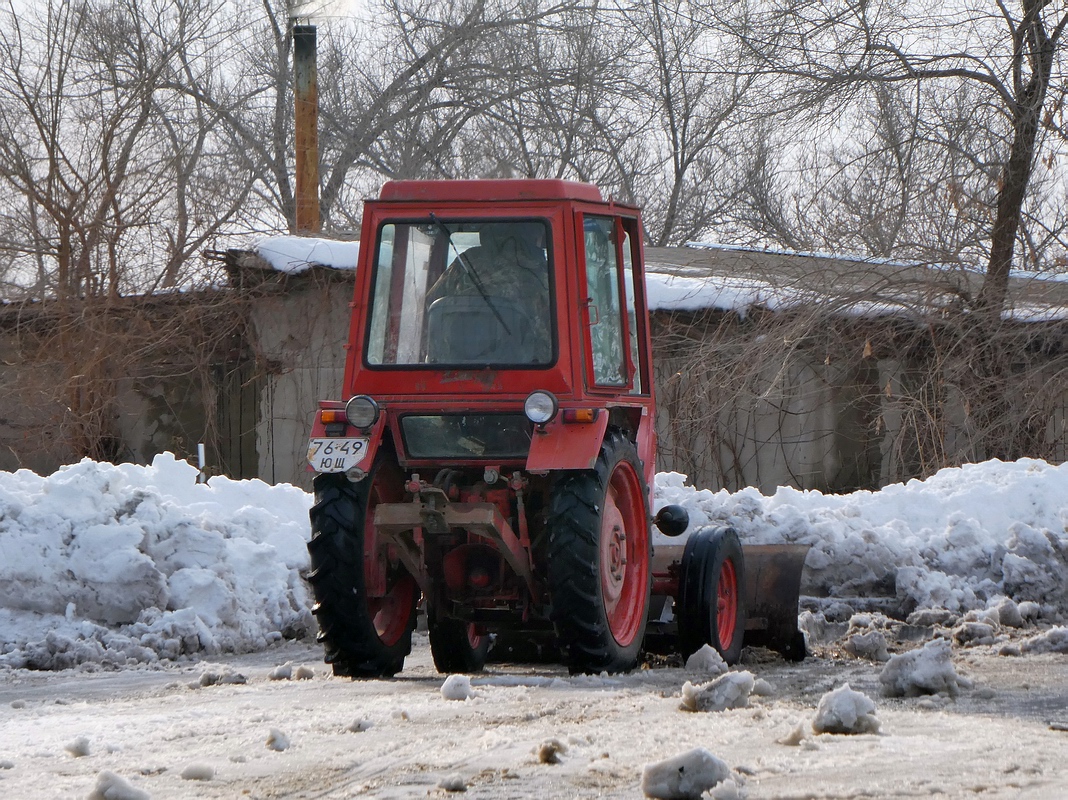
[462,293]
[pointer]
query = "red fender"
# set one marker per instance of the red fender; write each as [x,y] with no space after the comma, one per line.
[566,445]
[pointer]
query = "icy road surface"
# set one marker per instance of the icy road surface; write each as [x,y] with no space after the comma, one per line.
[162,733]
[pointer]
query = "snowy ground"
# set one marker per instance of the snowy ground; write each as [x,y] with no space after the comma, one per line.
[159,730]
[132,597]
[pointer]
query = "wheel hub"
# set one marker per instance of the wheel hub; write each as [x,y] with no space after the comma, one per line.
[613,555]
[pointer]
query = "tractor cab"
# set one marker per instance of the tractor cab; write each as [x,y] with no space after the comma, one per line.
[500,323]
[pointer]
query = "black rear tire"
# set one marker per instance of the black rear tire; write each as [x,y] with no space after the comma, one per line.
[363,637]
[599,575]
[711,602]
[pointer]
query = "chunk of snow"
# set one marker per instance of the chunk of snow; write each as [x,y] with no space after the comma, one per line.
[762,688]
[930,617]
[283,672]
[198,772]
[927,670]
[684,777]
[359,726]
[727,691]
[1055,640]
[1008,612]
[453,783]
[220,678]
[706,660]
[276,740]
[870,645]
[457,687]
[79,748]
[550,750]
[304,673]
[727,790]
[795,736]
[844,710]
[110,786]
[1029,610]
[971,634]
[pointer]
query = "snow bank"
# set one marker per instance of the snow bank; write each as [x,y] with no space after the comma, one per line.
[955,541]
[113,564]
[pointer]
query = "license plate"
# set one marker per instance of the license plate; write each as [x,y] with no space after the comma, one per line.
[335,455]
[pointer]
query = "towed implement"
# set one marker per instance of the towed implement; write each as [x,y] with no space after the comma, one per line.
[494,450]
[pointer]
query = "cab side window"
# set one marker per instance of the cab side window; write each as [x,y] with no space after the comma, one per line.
[632,315]
[605,310]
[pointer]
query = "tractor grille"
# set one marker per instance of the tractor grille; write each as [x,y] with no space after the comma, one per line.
[481,436]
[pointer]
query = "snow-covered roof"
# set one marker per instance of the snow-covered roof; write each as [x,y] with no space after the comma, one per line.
[730,278]
[298,253]
[704,276]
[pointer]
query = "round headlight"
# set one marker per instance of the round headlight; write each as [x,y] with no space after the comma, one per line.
[361,411]
[540,407]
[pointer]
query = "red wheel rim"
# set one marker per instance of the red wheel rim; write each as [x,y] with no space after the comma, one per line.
[474,636]
[391,611]
[726,603]
[624,564]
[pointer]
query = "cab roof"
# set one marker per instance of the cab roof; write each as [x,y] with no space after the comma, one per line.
[515,189]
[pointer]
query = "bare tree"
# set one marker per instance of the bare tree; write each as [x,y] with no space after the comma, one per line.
[828,55]
[95,155]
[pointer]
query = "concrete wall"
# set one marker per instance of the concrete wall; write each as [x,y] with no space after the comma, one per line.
[300,335]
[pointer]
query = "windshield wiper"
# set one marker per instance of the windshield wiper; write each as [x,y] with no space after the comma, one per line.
[470,271]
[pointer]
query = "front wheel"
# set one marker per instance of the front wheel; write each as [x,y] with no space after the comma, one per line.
[599,577]
[365,601]
[711,602]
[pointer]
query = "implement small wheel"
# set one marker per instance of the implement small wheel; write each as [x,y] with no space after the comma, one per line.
[711,602]
[456,645]
[599,577]
[364,636]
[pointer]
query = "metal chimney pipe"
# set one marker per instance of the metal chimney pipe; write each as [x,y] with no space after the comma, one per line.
[306,116]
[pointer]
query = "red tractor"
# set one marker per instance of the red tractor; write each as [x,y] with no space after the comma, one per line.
[494,450]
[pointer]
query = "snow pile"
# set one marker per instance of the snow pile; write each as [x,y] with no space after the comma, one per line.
[927,670]
[955,541]
[112,564]
[845,711]
[685,776]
